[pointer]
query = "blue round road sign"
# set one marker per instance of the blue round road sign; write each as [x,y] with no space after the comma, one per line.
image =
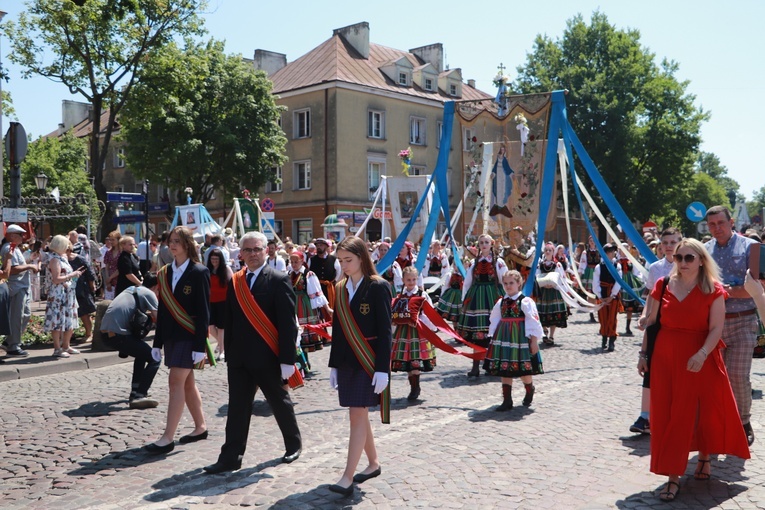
[696,211]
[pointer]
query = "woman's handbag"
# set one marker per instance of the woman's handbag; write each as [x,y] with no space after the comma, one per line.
[652,331]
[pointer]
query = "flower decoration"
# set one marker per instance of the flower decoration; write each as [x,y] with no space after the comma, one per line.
[188,192]
[406,159]
[520,118]
[246,193]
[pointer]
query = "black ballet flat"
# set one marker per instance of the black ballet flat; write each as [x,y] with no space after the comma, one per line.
[339,489]
[154,449]
[361,477]
[193,439]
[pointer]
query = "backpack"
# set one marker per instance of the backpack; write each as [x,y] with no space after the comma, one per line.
[140,323]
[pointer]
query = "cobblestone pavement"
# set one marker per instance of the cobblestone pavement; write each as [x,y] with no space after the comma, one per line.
[70,441]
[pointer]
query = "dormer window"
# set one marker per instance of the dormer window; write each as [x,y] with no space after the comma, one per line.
[402,79]
[428,84]
[452,90]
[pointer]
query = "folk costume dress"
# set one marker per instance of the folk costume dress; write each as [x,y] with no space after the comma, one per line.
[690,411]
[587,264]
[438,265]
[309,299]
[553,311]
[398,277]
[480,291]
[411,351]
[605,285]
[513,320]
[449,305]
[632,278]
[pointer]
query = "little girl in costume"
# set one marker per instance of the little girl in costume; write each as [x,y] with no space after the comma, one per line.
[411,352]
[309,299]
[449,304]
[514,347]
[480,291]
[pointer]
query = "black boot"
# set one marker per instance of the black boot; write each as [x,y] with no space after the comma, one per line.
[592,317]
[604,343]
[529,394]
[611,342]
[476,369]
[507,398]
[628,331]
[414,382]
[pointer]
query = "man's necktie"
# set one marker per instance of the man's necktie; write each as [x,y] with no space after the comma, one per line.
[250,276]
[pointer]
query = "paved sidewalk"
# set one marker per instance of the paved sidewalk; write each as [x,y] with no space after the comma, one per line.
[69,440]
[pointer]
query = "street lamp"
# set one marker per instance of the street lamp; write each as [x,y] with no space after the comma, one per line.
[41,180]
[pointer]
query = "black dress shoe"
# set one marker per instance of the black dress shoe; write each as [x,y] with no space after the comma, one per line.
[154,449]
[193,439]
[339,489]
[292,457]
[361,477]
[222,467]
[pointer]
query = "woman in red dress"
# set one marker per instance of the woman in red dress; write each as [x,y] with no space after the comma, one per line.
[692,404]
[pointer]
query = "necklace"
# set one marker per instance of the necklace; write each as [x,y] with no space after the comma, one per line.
[686,290]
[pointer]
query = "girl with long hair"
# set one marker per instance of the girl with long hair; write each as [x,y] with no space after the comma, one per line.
[220,276]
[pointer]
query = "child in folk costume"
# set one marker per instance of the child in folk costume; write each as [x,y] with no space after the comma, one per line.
[411,352]
[393,273]
[405,259]
[553,311]
[605,286]
[589,261]
[309,299]
[514,347]
[450,303]
[633,278]
[438,263]
[480,291]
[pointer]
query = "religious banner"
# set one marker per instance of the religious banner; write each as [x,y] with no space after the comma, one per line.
[250,219]
[403,194]
[190,216]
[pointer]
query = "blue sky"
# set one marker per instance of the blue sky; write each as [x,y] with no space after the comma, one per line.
[718,48]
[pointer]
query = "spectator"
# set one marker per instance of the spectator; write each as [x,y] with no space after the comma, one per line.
[84,290]
[19,283]
[111,258]
[273,260]
[129,272]
[116,325]
[220,276]
[216,241]
[34,257]
[165,257]
[61,311]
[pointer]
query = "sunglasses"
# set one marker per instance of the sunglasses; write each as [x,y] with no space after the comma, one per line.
[256,249]
[688,258]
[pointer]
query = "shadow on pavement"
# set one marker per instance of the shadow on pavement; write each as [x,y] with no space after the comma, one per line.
[199,483]
[117,460]
[640,444]
[321,497]
[95,409]
[259,408]
[517,413]
[693,494]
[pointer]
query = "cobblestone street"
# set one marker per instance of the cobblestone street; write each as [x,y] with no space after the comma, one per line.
[69,440]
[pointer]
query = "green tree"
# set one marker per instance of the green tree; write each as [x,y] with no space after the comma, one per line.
[636,120]
[62,161]
[97,48]
[704,188]
[202,119]
[756,206]
[710,164]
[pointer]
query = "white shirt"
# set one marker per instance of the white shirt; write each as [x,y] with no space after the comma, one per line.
[256,273]
[596,281]
[657,271]
[351,289]
[532,325]
[178,271]
[500,267]
[277,263]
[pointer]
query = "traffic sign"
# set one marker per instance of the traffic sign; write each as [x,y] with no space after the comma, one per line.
[268,217]
[267,205]
[702,227]
[696,211]
[649,225]
[133,198]
[14,215]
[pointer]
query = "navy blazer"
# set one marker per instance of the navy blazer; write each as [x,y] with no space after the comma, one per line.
[370,307]
[193,294]
[273,292]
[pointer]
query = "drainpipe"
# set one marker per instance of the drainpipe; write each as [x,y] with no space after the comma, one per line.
[326,155]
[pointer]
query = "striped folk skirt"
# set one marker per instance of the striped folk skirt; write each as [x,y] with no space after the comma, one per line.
[553,311]
[473,323]
[309,341]
[449,305]
[509,353]
[409,352]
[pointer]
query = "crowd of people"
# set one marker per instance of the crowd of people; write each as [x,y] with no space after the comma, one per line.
[275,303]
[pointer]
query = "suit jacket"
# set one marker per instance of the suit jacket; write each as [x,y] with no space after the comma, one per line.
[273,292]
[373,297]
[193,294]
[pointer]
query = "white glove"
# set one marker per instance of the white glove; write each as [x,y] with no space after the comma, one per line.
[333,378]
[380,381]
[196,357]
[156,354]
[287,371]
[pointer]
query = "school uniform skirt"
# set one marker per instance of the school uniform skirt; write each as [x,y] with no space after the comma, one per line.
[178,354]
[354,388]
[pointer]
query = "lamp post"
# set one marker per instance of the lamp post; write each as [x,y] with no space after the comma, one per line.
[41,181]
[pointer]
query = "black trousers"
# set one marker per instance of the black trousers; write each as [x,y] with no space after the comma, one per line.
[144,366]
[243,383]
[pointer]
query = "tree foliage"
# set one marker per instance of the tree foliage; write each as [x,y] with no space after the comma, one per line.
[97,48]
[635,118]
[202,119]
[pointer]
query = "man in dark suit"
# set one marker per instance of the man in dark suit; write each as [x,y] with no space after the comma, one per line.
[251,363]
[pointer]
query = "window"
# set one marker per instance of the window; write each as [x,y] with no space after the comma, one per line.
[402,79]
[376,124]
[440,131]
[119,188]
[453,90]
[209,191]
[303,229]
[274,185]
[428,84]
[302,178]
[302,123]
[163,193]
[139,187]
[417,131]
[279,227]
[417,170]
[119,158]
[467,140]
[375,168]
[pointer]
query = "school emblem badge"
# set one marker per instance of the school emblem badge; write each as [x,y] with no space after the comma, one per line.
[364,308]
[187,289]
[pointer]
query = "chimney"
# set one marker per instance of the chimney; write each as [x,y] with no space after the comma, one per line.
[357,36]
[432,54]
[269,61]
[471,83]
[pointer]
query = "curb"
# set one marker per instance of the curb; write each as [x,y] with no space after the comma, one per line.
[33,366]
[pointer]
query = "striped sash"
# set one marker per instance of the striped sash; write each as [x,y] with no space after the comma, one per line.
[359,344]
[259,321]
[176,310]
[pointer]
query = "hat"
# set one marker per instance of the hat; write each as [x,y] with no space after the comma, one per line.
[298,254]
[609,247]
[321,240]
[15,229]
[311,245]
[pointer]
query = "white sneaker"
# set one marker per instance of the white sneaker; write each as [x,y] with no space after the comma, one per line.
[72,350]
[60,353]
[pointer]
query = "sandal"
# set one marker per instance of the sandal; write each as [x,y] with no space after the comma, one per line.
[700,474]
[668,495]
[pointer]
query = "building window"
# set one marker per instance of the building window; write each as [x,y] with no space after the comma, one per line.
[428,84]
[440,131]
[376,124]
[274,185]
[467,140]
[302,177]
[208,191]
[402,79]
[119,188]
[417,131]
[139,187]
[119,158]
[375,168]
[303,230]
[303,123]
[453,90]
[279,227]
[417,170]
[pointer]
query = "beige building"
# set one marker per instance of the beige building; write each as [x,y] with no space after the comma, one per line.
[352,105]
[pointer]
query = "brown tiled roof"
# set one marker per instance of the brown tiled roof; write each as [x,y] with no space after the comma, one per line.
[336,60]
[85,127]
